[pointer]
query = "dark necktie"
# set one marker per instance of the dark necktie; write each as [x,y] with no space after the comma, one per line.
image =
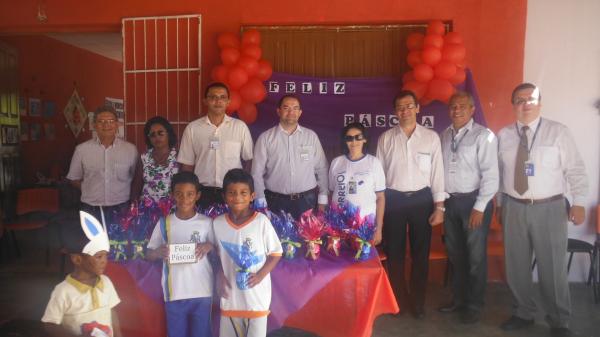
[521,184]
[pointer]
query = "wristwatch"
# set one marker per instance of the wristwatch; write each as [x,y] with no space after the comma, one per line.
[443,209]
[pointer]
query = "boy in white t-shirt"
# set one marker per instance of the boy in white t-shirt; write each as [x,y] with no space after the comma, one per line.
[82,304]
[248,249]
[188,287]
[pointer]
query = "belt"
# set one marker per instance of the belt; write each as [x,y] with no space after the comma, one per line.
[467,194]
[537,201]
[293,196]
[211,189]
[411,193]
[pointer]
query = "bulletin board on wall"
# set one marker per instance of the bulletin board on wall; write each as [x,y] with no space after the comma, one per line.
[339,50]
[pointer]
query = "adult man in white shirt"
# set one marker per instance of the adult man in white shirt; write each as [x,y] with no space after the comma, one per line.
[470,154]
[538,158]
[214,144]
[103,168]
[412,161]
[290,168]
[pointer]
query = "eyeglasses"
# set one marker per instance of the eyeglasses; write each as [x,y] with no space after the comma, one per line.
[358,137]
[106,121]
[217,98]
[157,134]
[406,107]
[290,108]
[528,100]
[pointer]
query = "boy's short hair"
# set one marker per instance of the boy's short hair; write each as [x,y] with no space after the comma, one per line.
[237,175]
[185,177]
[73,238]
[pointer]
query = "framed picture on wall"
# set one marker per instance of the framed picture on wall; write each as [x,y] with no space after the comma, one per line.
[24,131]
[49,131]
[22,106]
[35,107]
[49,109]
[10,135]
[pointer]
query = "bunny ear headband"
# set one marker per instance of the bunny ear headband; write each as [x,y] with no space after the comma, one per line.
[95,233]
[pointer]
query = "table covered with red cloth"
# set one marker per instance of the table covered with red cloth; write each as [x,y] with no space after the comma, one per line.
[331,297]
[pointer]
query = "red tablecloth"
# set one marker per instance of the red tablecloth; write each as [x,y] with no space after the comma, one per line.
[346,306]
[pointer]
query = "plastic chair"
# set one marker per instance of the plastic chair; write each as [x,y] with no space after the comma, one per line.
[438,252]
[35,209]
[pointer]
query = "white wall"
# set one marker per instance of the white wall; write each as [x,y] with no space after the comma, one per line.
[562,56]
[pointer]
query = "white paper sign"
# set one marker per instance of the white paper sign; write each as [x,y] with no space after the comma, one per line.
[182,253]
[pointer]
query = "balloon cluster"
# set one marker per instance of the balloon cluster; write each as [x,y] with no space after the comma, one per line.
[437,62]
[243,71]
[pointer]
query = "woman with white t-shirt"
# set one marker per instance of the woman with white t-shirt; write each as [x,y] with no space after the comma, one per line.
[358,177]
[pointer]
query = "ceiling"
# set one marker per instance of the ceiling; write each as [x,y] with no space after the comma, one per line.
[109,45]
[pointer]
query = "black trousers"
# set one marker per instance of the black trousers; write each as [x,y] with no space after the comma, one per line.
[411,209]
[112,214]
[209,196]
[294,206]
[467,250]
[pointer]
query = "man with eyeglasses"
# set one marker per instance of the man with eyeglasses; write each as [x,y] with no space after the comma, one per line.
[412,161]
[103,168]
[214,144]
[538,161]
[290,169]
[470,153]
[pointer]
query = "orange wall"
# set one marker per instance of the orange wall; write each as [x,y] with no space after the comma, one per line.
[50,70]
[494,33]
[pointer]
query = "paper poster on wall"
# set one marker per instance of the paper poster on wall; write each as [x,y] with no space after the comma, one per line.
[10,135]
[50,131]
[36,131]
[75,113]
[24,131]
[22,106]
[35,107]
[49,109]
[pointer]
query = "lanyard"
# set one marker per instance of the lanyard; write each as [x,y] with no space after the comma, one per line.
[454,144]
[532,139]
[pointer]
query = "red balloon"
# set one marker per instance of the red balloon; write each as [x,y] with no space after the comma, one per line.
[228,40]
[444,70]
[440,89]
[416,87]
[237,77]
[249,64]
[436,27]
[253,91]
[414,41]
[425,100]
[230,56]
[431,55]
[264,71]
[247,112]
[414,58]
[251,36]
[436,41]
[407,77]
[453,37]
[235,100]
[458,77]
[253,51]
[454,53]
[423,73]
[219,73]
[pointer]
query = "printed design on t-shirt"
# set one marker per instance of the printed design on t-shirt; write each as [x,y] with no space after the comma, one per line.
[244,256]
[195,237]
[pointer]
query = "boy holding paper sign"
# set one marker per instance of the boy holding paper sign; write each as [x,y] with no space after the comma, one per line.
[183,240]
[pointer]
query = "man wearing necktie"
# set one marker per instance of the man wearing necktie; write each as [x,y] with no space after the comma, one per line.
[538,160]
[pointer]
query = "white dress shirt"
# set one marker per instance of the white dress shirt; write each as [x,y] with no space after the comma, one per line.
[411,164]
[289,163]
[555,160]
[474,163]
[215,150]
[105,172]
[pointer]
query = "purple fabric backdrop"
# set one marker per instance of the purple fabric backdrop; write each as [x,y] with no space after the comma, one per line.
[368,100]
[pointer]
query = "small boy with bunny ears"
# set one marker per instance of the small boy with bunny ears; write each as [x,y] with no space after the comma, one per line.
[82,304]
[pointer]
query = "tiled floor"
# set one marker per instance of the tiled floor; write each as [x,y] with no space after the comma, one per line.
[26,283]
